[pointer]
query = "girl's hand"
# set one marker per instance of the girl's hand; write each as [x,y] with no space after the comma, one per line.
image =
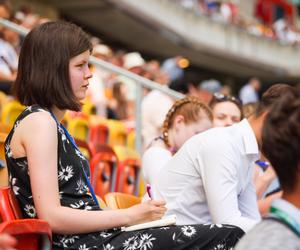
[148,211]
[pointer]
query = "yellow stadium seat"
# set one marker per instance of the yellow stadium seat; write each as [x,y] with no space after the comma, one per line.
[3,168]
[88,108]
[5,128]
[79,128]
[131,140]
[117,133]
[11,111]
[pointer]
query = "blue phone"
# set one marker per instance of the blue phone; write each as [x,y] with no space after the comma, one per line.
[263,164]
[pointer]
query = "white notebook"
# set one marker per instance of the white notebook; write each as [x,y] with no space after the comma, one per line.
[165,221]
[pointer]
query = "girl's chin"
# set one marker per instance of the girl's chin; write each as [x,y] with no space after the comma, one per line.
[81,96]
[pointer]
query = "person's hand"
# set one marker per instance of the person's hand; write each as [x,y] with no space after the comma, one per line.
[269,175]
[147,211]
[7,242]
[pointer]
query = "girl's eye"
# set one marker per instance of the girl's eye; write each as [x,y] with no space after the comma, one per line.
[221,117]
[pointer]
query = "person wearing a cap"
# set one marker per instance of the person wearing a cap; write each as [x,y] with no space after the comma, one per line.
[96,83]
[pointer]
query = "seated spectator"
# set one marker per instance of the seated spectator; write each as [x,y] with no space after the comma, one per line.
[209,180]
[226,110]
[208,88]
[172,68]
[58,189]
[249,92]
[154,111]
[249,109]
[5,9]
[96,90]
[187,117]
[133,62]
[8,54]
[117,107]
[281,145]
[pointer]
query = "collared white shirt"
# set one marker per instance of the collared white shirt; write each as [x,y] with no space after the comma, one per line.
[209,180]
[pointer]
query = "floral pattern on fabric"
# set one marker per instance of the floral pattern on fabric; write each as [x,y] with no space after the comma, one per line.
[74,193]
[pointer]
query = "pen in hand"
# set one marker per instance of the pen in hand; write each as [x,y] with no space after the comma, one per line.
[149,191]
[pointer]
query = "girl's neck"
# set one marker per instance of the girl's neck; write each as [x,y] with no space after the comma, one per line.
[171,139]
[59,114]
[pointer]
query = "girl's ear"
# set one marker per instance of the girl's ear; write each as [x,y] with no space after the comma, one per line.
[178,121]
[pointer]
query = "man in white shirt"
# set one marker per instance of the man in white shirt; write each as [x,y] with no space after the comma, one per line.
[248,93]
[209,180]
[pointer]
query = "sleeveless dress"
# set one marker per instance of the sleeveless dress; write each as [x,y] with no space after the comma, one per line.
[74,193]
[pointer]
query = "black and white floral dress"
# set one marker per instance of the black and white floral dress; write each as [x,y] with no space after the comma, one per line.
[74,193]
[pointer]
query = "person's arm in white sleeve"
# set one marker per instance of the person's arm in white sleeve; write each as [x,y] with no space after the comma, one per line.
[220,180]
[153,160]
[248,202]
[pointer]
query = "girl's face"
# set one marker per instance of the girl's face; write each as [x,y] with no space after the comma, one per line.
[225,114]
[184,131]
[79,74]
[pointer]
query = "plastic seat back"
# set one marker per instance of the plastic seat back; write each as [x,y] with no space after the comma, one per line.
[128,171]
[9,207]
[103,170]
[99,135]
[84,148]
[5,128]
[79,128]
[117,133]
[3,169]
[11,111]
[31,234]
[118,200]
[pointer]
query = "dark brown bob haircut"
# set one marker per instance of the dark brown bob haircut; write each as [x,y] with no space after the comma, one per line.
[43,72]
[271,96]
[281,139]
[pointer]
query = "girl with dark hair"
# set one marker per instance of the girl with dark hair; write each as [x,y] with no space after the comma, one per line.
[50,176]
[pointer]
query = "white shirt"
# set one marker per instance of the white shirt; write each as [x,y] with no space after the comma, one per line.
[154,159]
[10,58]
[209,180]
[96,91]
[248,94]
[155,106]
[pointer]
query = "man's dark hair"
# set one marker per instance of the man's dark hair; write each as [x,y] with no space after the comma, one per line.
[270,96]
[43,72]
[281,138]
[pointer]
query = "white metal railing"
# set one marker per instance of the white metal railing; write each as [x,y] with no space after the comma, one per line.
[140,82]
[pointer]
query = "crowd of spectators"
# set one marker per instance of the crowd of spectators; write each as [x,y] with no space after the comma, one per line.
[281,28]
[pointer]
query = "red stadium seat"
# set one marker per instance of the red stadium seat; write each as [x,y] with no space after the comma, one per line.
[32,234]
[103,170]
